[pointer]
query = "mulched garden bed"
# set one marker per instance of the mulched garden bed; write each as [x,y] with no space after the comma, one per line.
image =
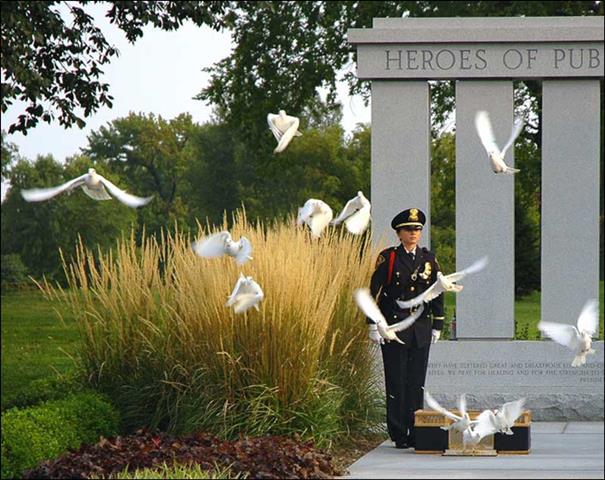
[262,457]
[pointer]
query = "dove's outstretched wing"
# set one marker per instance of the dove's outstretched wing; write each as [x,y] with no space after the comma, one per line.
[517,127]
[320,219]
[368,306]
[566,335]
[245,301]
[512,411]
[435,405]
[239,288]
[247,293]
[124,197]
[306,211]
[485,132]
[350,208]
[271,119]
[245,251]
[429,294]
[588,321]
[474,268]
[406,322]
[287,136]
[41,194]
[358,222]
[211,246]
[485,424]
[462,404]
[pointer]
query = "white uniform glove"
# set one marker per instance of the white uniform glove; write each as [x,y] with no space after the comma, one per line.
[435,336]
[375,337]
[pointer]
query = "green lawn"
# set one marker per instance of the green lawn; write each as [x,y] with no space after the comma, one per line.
[33,338]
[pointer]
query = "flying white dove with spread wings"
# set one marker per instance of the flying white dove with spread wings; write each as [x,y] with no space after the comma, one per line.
[368,306]
[356,214]
[489,422]
[222,244]
[444,283]
[93,184]
[246,294]
[284,128]
[486,134]
[316,214]
[460,422]
[576,338]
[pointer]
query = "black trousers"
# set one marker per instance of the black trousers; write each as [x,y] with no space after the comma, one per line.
[405,372]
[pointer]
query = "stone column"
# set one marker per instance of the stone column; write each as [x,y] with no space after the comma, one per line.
[570,197]
[484,214]
[400,154]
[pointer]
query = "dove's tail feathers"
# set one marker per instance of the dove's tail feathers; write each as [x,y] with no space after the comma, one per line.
[578,361]
[511,170]
[96,193]
[456,288]
[298,134]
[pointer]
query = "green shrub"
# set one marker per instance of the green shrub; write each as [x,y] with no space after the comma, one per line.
[13,273]
[47,430]
[44,389]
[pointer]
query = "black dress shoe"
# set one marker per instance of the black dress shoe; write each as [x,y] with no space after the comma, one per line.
[402,444]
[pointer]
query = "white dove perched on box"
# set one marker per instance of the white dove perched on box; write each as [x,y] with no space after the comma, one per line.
[576,338]
[356,214]
[317,214]
[284,128]
[486,134]
[444,283]
[246,294]
[460,422]
[368,306]
[489,422]
[222,244]
[93,184]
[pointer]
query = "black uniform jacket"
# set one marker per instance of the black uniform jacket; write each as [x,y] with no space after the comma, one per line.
[408,280]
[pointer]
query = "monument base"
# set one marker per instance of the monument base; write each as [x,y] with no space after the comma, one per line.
[491,372]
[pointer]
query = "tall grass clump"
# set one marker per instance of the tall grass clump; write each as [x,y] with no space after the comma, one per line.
[158,338]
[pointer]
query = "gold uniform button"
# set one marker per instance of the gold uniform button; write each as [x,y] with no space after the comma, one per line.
[412,289]
[397,283]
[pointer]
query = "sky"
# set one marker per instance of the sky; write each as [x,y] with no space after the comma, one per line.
[160,74]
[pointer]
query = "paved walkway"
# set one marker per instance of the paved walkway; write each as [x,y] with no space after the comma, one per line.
[559,450]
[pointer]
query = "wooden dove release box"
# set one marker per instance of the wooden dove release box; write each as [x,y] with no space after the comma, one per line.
[431,438]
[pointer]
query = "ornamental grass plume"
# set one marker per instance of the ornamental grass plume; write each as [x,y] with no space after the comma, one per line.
[158,338]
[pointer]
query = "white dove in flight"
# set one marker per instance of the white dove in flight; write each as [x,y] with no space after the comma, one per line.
[368,306]
[356,214]
[460,422]
[316,214]
[486,134]
[578,339]
[247,293]
[284,128]
[444,283]
[489,422]
[93,184]
[220,244]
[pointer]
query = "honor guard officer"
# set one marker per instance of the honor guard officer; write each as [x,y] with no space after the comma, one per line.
[403,272]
